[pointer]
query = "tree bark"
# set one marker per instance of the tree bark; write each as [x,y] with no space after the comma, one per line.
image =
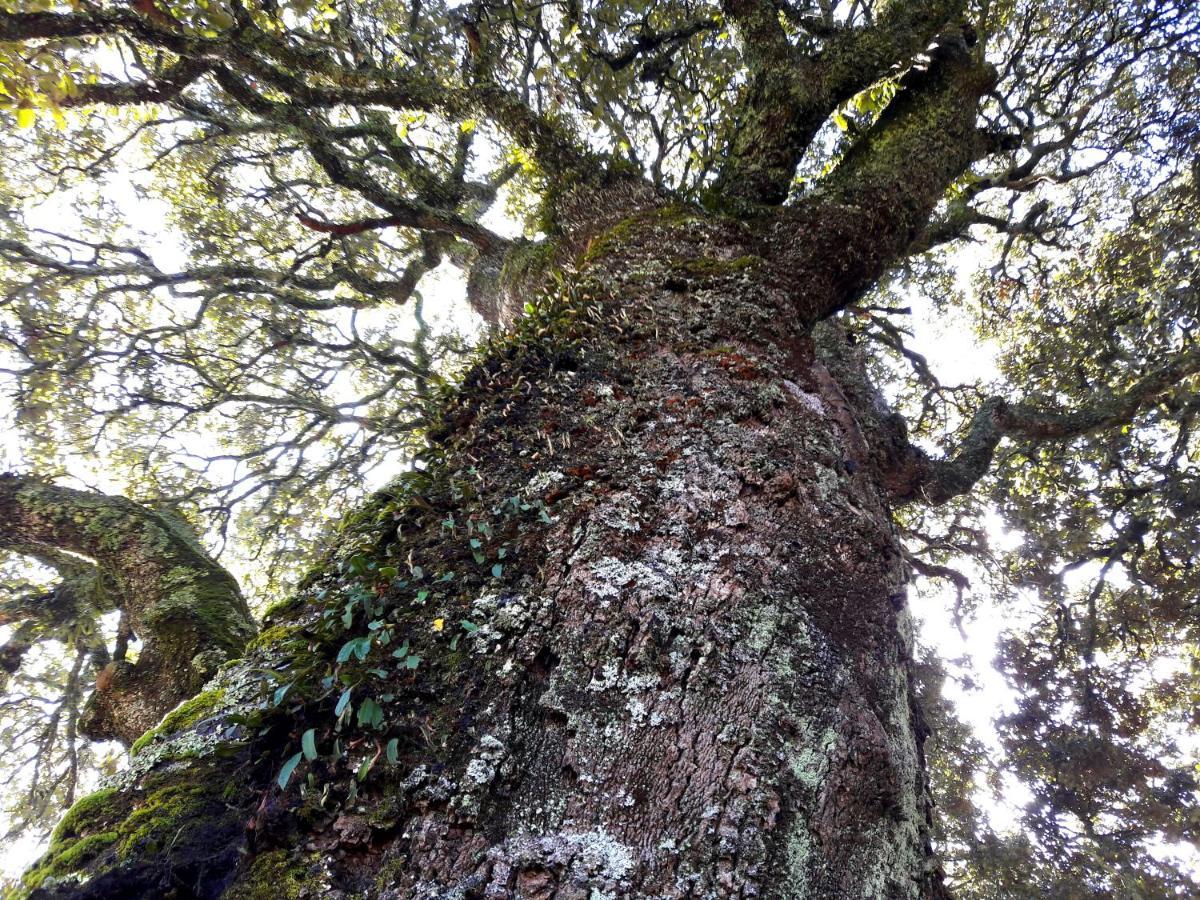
[692,681]
[187,610]
[647,593]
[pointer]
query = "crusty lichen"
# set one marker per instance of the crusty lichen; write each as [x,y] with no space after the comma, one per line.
[186,714]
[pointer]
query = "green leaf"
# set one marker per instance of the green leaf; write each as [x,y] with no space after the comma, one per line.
[497,570]
[393,751]
[469,627]
[343,701]
[413,661]
[370,714]
[280,693]
[285,774]
[308,744]
[359,647]
[364,768]
[389,572]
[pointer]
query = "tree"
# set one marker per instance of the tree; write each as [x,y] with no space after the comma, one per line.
[634,622]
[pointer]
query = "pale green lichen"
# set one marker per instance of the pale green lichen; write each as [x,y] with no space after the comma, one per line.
[186,714]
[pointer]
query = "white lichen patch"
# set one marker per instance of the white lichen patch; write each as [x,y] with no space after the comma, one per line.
[592,861]
[808,401]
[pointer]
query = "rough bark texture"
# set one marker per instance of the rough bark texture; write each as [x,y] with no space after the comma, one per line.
[692,682]
[660,506]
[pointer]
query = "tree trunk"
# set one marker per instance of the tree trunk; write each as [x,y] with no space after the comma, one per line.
[686,675]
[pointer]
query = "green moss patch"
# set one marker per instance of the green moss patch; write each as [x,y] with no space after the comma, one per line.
[186,714]
[272,876]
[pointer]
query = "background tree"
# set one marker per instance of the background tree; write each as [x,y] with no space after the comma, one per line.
[634,622]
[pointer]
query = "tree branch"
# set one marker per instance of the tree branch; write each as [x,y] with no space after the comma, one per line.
[867,212]
[188,610]
[934,481]
[790,96]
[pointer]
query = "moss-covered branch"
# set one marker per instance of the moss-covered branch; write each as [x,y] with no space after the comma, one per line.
[790,95]
[187,610]
[869,210]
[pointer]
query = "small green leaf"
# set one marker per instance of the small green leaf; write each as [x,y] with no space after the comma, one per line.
[393,751]
[370,714]
[280,693]
[285,774]
[413,661]
[308,744]
[497,570]
[469,627]
[359,647]
[342,702]
[389,572]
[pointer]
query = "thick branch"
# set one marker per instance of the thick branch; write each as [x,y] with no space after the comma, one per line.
[933,481]
[188,610]
[867,213]
[789,96]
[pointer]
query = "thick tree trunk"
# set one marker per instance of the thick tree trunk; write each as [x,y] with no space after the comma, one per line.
[690,676]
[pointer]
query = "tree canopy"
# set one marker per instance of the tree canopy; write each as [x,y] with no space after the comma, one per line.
[228,231]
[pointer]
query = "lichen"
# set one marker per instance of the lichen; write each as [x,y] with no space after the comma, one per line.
[186,714]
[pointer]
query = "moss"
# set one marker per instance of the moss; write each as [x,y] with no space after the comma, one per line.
[272,876]
[710,267]
[186,714]
[86,812]
[290,604]
[205,606]
[68,857]
[71,846]
[158,821]
[670,215]
[527,262]
[273,637]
